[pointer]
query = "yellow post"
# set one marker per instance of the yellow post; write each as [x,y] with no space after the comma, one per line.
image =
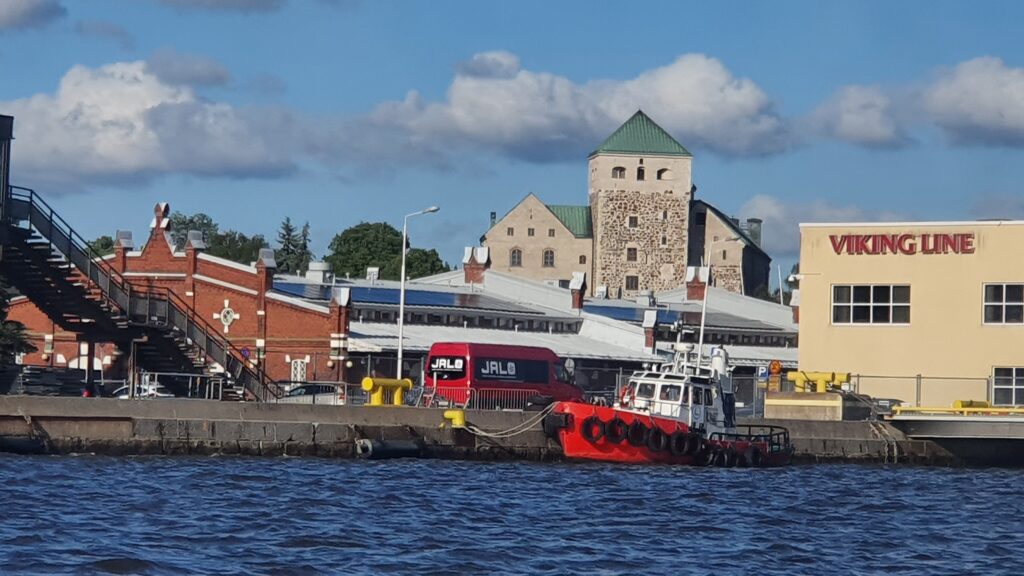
[377,387]
[802,380]
[458,418]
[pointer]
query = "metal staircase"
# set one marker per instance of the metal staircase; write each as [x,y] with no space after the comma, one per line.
[56,269]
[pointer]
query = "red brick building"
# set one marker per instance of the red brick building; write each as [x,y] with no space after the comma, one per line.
[290,338]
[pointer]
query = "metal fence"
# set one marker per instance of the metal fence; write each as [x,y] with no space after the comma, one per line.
[920,390]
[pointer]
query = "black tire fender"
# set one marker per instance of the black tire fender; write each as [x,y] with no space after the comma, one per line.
[637,434]
[615,430]
[657,440]
[592,428]
[678,443]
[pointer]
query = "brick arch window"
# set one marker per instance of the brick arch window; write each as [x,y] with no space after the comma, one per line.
[664,174]
[619,172]
[549,258]
[515,257]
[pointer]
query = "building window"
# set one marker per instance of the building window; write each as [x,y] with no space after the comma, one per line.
[583,259]
[664,240]
[618,173]
[632,282]
[551,232]
[510,231]
[298,371]
[664,174]
[664,214]
[1008,386]
[725,255]
[867,304]
[640,173]
[529,231]
[634,221]
[549,258]
[1004,303]
[515,257]
[630,254]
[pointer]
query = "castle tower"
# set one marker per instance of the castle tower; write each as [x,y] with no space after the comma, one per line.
[640,190]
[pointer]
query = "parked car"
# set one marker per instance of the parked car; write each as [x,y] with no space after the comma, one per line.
[330,394]
[143,391]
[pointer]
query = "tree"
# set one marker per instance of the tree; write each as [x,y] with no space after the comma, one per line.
[13,338]
[304,255]
[103,245]
[418,263]
[288,240]
[181,223]
[237,247]
[363,245]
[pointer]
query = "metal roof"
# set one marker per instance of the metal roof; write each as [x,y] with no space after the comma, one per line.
[641,135]
[575,218]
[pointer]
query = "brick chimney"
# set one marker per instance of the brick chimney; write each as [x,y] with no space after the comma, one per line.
[123,243]
[475,263]
[650,330]
[697,281]
[578,289]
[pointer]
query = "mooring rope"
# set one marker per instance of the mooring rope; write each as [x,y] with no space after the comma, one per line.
[520,428]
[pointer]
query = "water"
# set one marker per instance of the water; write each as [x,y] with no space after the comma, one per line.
[221,515]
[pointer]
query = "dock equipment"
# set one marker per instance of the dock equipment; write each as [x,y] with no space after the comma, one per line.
[821,380]
[376,388]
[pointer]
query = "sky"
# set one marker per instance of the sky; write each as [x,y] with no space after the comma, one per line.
[342,111]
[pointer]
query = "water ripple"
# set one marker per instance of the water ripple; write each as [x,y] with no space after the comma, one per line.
[88,515]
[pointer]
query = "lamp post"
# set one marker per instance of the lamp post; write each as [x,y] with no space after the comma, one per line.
[704,301]
[401,283]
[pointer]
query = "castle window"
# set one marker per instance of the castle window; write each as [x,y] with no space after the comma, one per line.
[664,214]
[632,282]
[618,173]
[515,257]
[664,240]
[630,254]
[510,231]
[529,231]
[551,232]
[640,173]
[583,259]
[664,174]
[549,258]
[634,221]
[724,255]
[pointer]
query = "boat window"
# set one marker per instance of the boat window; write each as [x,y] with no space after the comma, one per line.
[645,390]
[697,401]
[699,380]
[708,398]
[671,393]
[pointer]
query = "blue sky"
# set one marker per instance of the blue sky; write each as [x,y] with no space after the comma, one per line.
[341,111]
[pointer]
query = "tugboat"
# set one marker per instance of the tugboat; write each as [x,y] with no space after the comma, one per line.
[681,412]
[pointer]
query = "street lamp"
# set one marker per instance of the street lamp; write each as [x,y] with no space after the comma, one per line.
[401,285]
[704,301]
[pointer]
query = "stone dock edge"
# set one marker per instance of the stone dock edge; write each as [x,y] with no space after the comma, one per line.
[67,425]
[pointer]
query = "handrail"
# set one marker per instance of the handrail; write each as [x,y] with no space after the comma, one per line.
[101,265]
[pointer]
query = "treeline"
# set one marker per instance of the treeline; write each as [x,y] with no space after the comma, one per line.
[350,253]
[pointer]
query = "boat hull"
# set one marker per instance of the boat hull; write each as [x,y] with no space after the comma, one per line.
[591,432]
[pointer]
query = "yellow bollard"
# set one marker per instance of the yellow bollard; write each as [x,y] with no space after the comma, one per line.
[802,381]
[377,387]
[458,418]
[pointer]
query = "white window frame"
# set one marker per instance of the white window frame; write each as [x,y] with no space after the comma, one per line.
[1016,384]
[870,304]
[299,365]
[1003,304]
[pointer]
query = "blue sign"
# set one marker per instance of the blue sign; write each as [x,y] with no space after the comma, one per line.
[245,352]
[762,373]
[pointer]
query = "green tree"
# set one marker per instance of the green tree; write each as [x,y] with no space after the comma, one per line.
[13,338]
[418,263]
[103,245]
[288,242]
[304,255]
[237,247]
[363,245]
[181,223]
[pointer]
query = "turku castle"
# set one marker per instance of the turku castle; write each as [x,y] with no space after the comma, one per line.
[640,230]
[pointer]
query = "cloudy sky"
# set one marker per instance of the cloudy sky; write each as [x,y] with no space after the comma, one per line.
[341,111]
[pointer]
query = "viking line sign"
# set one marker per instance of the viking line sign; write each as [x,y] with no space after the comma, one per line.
[858,244]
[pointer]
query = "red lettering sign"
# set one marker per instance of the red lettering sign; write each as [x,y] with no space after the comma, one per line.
[909,244]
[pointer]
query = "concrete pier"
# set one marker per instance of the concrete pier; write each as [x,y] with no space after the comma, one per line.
[62,425]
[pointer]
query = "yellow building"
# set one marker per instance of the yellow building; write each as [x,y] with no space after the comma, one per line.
[927,312]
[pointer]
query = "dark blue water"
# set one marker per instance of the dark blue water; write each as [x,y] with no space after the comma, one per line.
[220,515]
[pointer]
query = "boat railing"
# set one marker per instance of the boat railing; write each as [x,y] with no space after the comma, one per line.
[776,437]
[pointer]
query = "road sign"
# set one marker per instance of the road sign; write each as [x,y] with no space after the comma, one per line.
[775,367]
[245,352]
[762,372]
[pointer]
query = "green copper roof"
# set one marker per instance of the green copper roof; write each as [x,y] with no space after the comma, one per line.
[641,135]
[575,218]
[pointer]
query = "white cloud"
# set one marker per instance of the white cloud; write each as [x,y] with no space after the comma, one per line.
[121,122]
[980,101]
[861,115]
[494,105]
[104,29]
[19,14]
[187,69]
[781,229]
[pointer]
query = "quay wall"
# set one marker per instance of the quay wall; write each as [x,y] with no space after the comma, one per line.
[61,425]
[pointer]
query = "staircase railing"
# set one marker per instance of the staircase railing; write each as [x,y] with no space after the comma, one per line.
[155,306]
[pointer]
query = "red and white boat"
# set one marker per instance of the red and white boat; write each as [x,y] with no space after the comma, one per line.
[679,413]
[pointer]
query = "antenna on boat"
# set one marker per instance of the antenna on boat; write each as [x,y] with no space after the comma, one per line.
[703,313]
